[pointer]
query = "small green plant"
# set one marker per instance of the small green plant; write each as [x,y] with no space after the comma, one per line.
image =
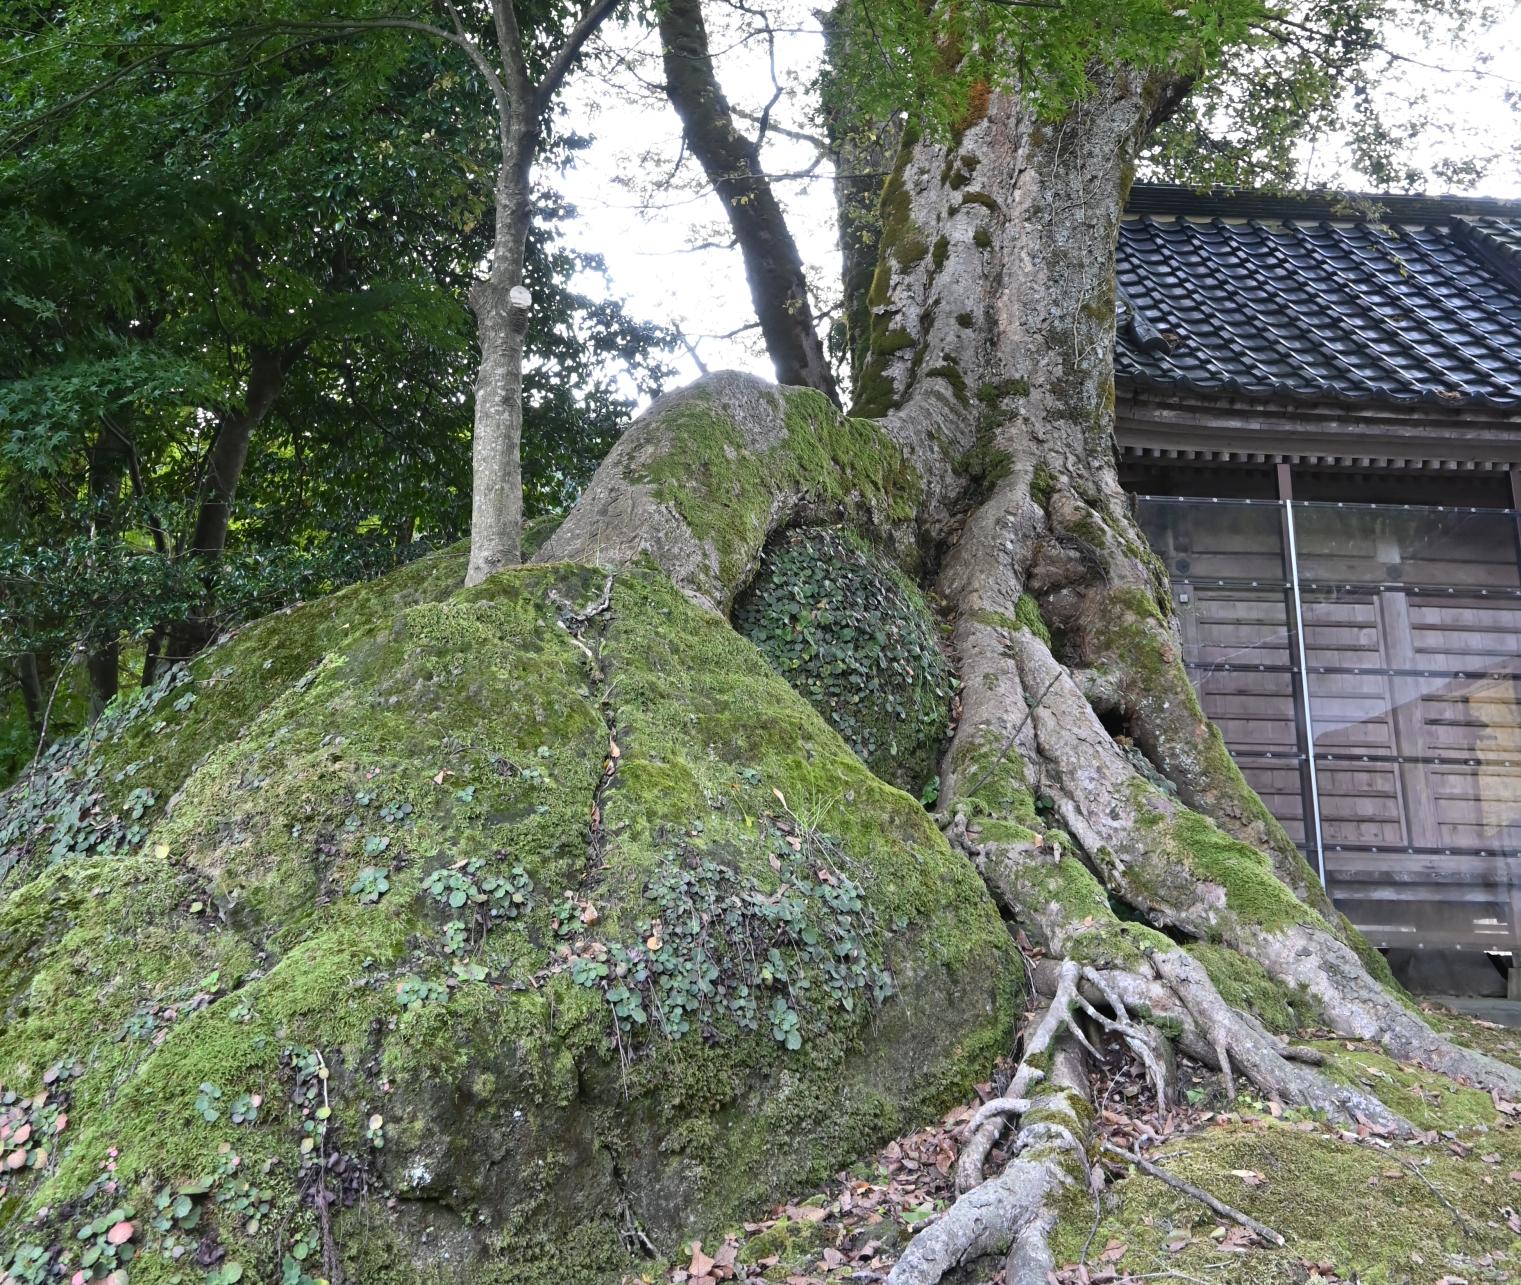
[784,1023]
[492,896]
[245,1108]
[206,1103]
[720,948]
[413,990]
[856,638]
[107,1246]
[371,884]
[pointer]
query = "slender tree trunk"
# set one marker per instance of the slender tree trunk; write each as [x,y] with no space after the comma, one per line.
[33,698]
[778,285]
[863,150]
[501,305]
[219,487]
[229,452]
[109,459]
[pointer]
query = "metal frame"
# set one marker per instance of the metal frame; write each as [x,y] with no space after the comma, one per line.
[1306,717]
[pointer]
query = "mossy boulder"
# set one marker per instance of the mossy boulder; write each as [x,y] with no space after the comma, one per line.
[855,636]
[518,928]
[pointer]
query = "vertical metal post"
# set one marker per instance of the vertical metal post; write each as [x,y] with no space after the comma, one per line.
[1512,890]
[1302,666]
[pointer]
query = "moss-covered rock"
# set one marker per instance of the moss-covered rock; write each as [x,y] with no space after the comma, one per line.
[855,636]
[510,925]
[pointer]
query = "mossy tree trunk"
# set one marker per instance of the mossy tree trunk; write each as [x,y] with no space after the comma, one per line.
[1082,775]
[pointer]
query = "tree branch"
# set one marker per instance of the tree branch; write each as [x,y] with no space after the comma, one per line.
[334,27]
[591,18]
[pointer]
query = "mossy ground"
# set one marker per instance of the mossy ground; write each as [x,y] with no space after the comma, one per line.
[1350,1210]
[1358,1210]
[409,732]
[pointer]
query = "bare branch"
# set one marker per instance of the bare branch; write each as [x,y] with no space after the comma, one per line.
[591,18]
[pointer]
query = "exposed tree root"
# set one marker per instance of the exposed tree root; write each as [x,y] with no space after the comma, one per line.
[1182,871]
[1014,1212]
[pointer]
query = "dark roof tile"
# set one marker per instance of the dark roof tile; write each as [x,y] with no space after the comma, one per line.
[1320,303]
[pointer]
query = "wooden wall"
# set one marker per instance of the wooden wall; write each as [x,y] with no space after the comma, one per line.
[1412,637]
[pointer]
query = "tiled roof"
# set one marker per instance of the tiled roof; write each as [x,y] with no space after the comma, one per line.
[1252,296]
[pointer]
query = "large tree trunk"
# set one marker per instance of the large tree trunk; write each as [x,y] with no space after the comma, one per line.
[991,358]
[501,305]
[778,285]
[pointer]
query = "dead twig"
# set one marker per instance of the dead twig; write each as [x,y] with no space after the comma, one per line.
[1197,1193]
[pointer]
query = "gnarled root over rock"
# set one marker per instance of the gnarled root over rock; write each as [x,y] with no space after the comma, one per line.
[1014,1212]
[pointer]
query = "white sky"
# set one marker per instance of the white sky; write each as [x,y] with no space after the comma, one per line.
[662,231]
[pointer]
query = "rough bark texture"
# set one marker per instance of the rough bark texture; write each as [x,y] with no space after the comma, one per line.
[496,508]
[731,160]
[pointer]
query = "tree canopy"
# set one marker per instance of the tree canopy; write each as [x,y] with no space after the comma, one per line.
[315,204]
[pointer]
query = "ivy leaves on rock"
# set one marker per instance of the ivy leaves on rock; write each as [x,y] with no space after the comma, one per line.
[855,637]
[721,951]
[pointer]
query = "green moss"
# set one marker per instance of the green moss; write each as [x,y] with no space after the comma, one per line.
[977,198]
[876,394]
[68,807]
[1193,847]
[948,372]
[1027,613]
[1042,484]
[724,491]
[892,341]
[994,393]
[901,238]
[942,249]
[985,464]
[440,735]
[982,238]
[964,320]
[1427,1100]
[1244,984]
[791,1243]
[1356,1209]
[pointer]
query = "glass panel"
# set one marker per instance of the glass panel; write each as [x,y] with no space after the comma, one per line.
[1412,639]
[1370,544]
[1255,710]
[1216,540]
[1426,901]
[1279,782]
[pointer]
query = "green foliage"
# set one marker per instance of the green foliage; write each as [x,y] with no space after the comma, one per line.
[855,637]
[1264,82]
[489,896]
[311,206]
[719,943]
